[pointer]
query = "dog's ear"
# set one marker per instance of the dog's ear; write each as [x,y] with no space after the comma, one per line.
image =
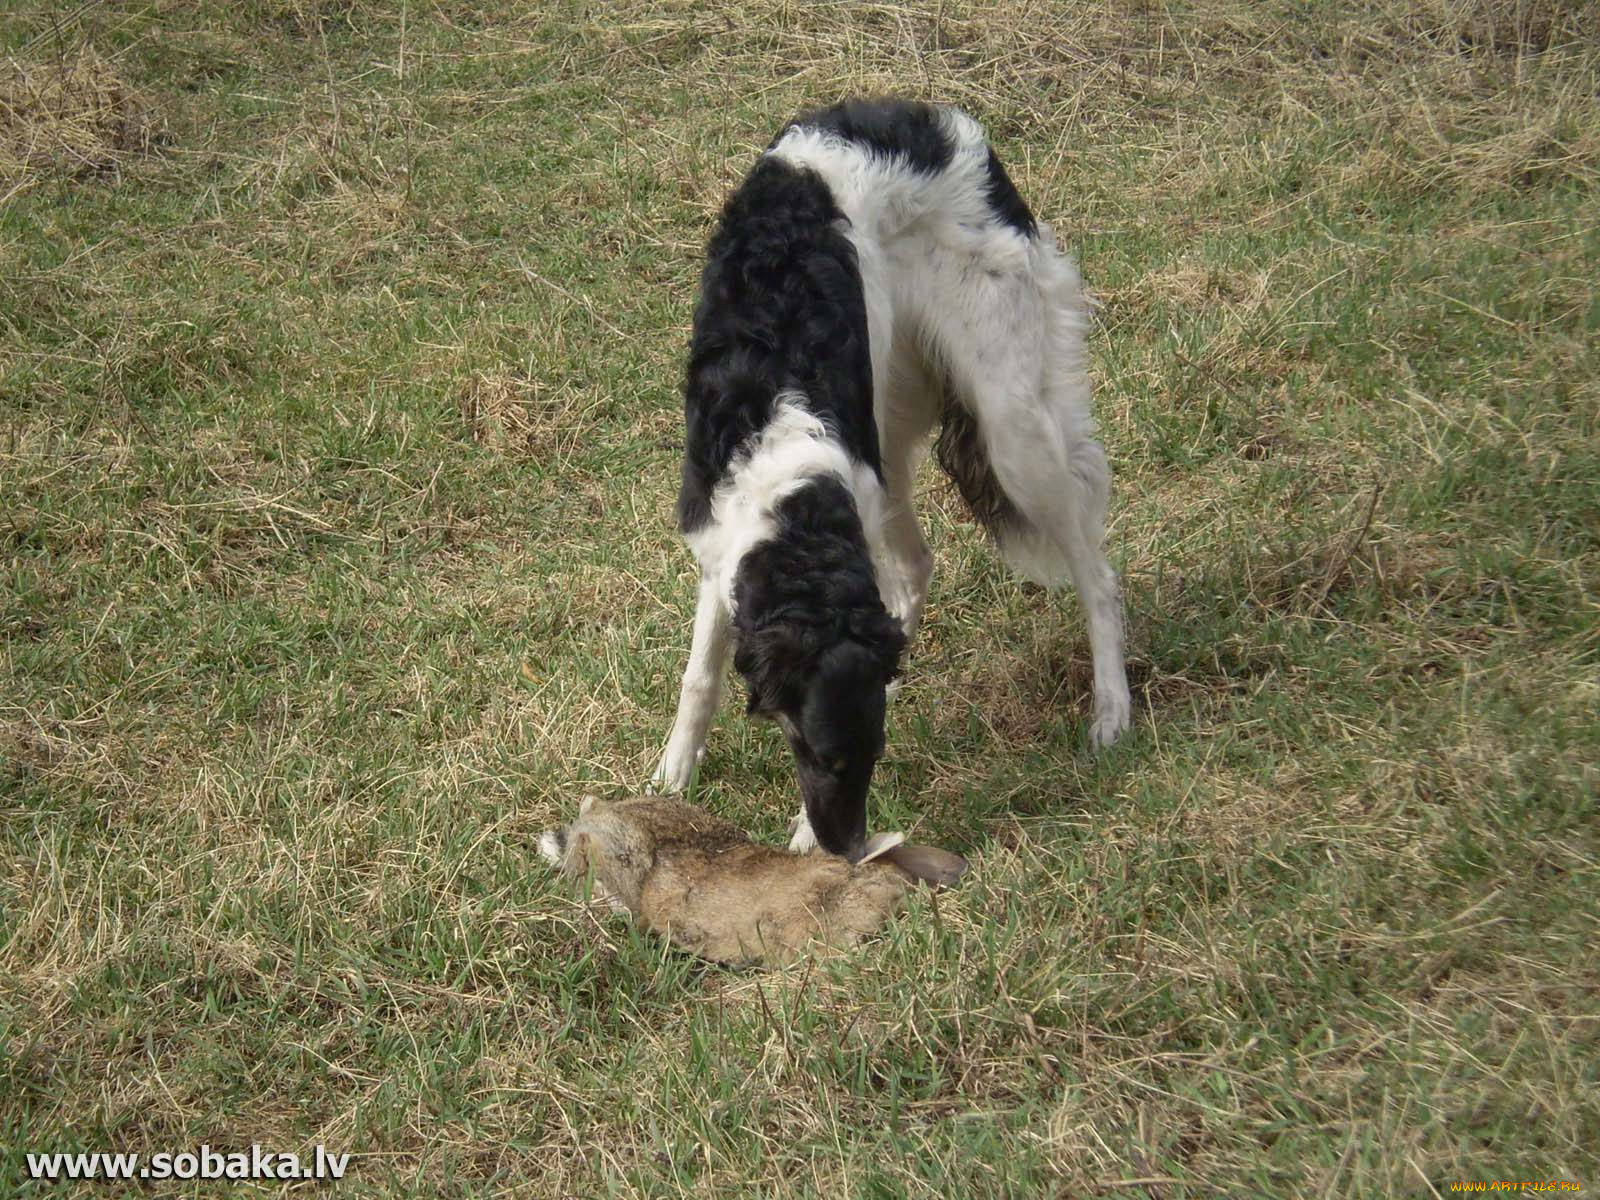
[585,804]
[884,636]
[778,660]
[775,662]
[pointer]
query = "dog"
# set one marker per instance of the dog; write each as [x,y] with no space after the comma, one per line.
[697,880]
[876,277]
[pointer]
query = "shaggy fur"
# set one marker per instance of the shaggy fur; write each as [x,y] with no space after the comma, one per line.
[700,882]
[876,277]
[781,311]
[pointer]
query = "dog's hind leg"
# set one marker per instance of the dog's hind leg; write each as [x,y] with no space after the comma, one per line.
[1077,521]
[701,691]
[1019,441]
[1078,528]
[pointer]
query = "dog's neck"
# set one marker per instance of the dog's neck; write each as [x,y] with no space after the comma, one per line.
[816,565]
[793,454]
[810,588]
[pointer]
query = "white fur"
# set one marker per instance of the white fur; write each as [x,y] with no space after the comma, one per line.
[802,839]
[1004,315]
[949,290]
[794,447]
[550,848]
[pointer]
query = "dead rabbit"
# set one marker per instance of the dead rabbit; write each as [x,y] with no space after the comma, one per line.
[700,881]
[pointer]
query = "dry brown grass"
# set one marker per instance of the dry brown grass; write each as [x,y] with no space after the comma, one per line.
[336,506]
[74,114]
[517,416]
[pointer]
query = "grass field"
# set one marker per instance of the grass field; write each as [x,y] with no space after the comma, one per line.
[339,353]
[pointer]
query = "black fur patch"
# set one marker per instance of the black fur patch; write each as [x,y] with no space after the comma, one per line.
[816,649]
[963,457]
[805,591]
[902,129]
[781,308]
[1005,200]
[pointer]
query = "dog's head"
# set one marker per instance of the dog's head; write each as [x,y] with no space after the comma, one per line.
[829,701]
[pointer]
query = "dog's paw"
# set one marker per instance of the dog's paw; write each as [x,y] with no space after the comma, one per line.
[802,840]
[677,768]
[1112,715]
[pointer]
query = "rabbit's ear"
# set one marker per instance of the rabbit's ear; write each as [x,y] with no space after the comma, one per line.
[927,864]
[580,854]
[585,805]
[880,844]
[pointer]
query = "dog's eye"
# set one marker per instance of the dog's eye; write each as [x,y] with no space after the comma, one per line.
[838,765]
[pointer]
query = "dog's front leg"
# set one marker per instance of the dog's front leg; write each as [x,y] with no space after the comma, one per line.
[701,692]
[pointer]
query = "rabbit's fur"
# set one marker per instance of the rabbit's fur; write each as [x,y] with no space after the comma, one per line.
[702,883]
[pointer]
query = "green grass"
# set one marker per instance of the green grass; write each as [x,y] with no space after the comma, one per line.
[339,351]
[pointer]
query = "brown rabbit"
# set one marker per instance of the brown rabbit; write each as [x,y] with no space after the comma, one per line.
[702,883]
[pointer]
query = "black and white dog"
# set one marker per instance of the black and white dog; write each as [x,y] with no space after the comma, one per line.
[874,277]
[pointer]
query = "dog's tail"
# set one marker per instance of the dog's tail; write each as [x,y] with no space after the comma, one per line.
[1026,547]
[1030,544]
